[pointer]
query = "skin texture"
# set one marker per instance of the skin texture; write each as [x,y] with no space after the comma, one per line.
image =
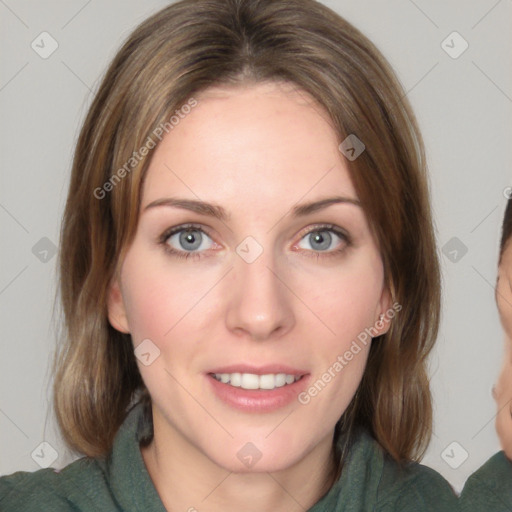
[258,151]
[503,388]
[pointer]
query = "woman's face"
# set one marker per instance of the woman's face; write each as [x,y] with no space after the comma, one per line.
[273,278]
[503,389]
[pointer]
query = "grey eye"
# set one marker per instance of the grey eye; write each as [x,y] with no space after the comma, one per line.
[189,239]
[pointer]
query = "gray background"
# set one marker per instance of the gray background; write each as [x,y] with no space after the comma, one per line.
[464,108]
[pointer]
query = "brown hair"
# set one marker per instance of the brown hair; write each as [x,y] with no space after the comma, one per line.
[506,228]
[180,51]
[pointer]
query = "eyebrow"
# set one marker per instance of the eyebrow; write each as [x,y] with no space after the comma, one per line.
[218,212]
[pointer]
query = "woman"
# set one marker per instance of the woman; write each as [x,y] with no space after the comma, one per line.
[490,488]
[248,274]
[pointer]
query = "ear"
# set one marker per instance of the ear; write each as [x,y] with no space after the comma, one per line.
[383,319]
[116,308]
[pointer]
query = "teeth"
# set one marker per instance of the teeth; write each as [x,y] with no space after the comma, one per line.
[236,379]
[253,381]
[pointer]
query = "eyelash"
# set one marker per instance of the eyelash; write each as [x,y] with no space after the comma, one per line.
[164,237]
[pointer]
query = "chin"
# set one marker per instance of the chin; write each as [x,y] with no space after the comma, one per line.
[258,467]
[249,459]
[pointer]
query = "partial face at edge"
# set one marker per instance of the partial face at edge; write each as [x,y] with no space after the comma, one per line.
[258,152]
[503,389]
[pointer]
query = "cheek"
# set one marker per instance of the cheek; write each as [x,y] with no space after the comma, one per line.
[347,302]
[504,383]
[149,308]
[504,303]
[159,295]
[168,302]
[348,299]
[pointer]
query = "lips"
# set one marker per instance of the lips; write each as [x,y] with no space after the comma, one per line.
[266,398]
[263,395]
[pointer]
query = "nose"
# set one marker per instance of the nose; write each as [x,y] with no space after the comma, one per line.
[259,299]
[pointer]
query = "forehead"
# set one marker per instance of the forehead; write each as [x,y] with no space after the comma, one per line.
[248,144]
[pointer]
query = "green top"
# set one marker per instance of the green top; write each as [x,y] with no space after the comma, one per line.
[490,488]
[370,481]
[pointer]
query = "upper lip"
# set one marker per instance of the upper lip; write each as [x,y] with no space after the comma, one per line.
[259,370]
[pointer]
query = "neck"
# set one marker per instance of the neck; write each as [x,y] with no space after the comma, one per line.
[186,479]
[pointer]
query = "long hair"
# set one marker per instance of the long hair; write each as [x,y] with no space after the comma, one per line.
[176,53]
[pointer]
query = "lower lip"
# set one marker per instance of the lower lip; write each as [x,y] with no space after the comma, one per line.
[258,400]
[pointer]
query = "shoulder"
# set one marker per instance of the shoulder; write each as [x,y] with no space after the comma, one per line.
[414,486]
[372,480]
[78,486]
[406,487]
[110,483]
[489,488]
